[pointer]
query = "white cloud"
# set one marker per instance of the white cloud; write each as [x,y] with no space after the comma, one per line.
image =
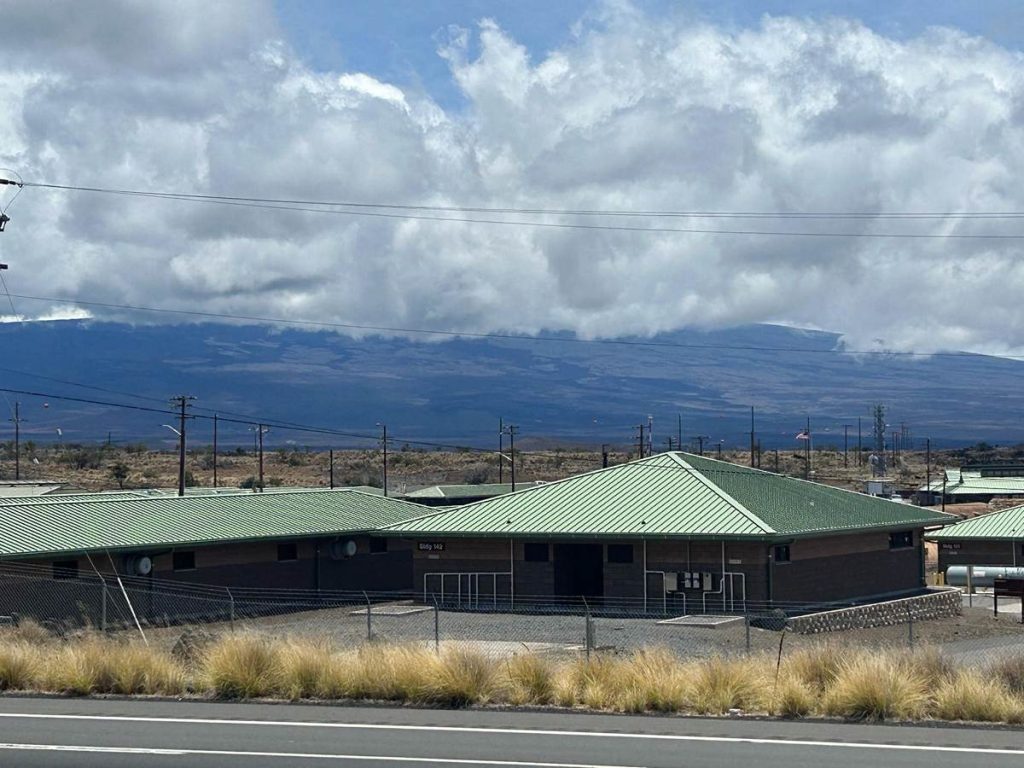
[632,113]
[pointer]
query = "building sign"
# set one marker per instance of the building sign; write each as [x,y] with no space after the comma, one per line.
[950,545]
[430,546]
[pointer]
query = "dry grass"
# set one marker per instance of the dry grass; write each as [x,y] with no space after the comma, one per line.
[1010,671]
[826,680]
[877,686]
[243,666]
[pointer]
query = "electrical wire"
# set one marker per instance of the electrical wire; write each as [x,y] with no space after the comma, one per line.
[348,211]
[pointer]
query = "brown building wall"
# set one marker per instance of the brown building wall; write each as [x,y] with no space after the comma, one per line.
[839,568]
[980,553]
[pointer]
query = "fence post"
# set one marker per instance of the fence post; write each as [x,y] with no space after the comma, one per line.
[910,624]
[588,629]
[437,626]
[231,608]
[746,627]
[103,606]
[369,619]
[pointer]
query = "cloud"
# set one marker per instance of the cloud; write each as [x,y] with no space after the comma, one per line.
[633,112]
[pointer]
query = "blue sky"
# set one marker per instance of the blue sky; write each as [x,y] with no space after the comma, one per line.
[397,40]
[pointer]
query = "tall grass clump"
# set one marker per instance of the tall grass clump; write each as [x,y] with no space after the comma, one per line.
[27,631]
[661,682]
[305,669]
[80,668]
[140,669]
[793,698]
[721,684]
[600,682]
[969,696]
[381,672]
[460,677]
[877,687]
[242,666]
[816,668]
[930,664]
[20,665]
[1010,671]
[529,679]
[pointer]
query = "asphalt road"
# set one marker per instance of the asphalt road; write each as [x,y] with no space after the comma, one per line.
[93,733]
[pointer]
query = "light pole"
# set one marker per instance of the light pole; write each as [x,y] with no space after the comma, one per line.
[511,432]
[384,443]
[181,464]
[181,402]
[258,432]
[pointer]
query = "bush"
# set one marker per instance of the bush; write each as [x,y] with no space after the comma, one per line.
[877,687]
[968,696]
[20,665]
[529,680]
[243,666]
[1010,671]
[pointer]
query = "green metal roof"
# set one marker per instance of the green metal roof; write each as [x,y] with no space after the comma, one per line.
[973,484]
[64,498]
[673,495]
[1005,525]
[163,521]
[467,491]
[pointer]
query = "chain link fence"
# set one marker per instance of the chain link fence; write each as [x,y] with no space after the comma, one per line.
[162,611]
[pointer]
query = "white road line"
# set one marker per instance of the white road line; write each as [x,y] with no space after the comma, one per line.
[290,755]
[521,732]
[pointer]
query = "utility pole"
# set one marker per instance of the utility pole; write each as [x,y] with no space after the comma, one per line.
[215,450]
[384,444]
[860,449]
[846,444]
[640,440]
[679,430]
[604,456]
[752,436]
[181,402]
[807,464]
[331,465]
[17,440]
[878,470]
[928,468]
[512,451]
[261,430]
[501,450]
[670,441]
[700,443]
[776,461]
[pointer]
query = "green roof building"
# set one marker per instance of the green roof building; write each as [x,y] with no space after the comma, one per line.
[996,538]
[673,527]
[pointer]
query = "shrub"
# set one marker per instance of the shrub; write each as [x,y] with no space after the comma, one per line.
[968,696]
[530,680]
[664,684]
[79,668]
[460,678]
[19,666]
[1010,671]
[722,684]
[242,666]
[305,668]
[140,669]
[815,667]
[876,687]
[793,698]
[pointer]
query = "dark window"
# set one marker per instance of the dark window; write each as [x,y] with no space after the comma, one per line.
[183,561]
[782,553]
[287,550]
[620,553]
[535,553]
[901,539]
[378,545]
[65,569]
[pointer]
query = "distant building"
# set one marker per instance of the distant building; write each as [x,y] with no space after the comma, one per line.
[452,495]
[975,483]
[18,488]
[993,539]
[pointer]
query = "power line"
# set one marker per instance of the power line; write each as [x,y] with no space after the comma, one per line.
[502,336]
[344,210]
[547,211]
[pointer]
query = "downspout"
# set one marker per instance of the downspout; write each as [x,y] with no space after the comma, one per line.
[512,573]
[645,574]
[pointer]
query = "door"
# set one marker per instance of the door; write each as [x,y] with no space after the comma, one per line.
[579,570]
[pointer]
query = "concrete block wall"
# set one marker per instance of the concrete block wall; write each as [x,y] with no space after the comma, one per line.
[938,604]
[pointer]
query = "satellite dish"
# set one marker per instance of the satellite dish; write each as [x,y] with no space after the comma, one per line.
[141,565]
[342,549]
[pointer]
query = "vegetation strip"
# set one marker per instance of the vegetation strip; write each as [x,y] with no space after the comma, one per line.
[826,680]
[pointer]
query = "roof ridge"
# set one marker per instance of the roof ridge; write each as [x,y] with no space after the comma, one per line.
[722,494]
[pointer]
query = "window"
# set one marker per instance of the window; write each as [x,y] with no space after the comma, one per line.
[534,552]
[620,553]
[782,553]
[287,550]
[183,561]
[65,569]
[378,545]
[901,539]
